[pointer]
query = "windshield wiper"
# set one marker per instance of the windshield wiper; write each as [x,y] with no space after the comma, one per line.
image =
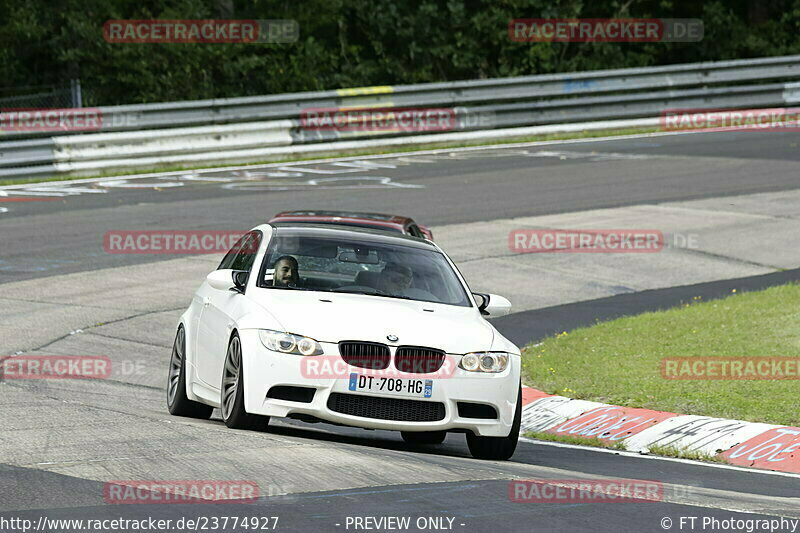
[381,294]
[376,293]
[354,292]
[395,296]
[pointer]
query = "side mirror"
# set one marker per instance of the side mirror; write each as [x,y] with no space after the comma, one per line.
[493,305]
[239,280]
[226,279]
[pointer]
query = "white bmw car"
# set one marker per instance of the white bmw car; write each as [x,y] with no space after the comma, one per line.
[349,326]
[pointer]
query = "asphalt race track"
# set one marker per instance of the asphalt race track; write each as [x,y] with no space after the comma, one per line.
[61,293]
[60,235]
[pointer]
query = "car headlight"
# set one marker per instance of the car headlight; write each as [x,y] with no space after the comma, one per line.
[491,362]
[279,341]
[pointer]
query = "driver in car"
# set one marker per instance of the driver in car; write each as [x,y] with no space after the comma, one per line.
[395,278]
[286,272]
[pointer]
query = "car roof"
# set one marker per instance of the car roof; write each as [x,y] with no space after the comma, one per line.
[383,217]
[344,231]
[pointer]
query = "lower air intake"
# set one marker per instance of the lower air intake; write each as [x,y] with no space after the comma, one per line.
[386,408]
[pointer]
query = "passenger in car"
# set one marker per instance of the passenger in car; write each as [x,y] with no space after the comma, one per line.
[286,272]
[395,278]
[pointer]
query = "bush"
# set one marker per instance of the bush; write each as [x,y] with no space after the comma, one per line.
[355,43]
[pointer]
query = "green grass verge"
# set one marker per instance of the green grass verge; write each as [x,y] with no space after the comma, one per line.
[618,362]
[666,451]
[680,453]
[399,149]
[568,439]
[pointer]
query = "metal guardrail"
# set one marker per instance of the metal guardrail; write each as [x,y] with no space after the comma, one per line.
[150,135]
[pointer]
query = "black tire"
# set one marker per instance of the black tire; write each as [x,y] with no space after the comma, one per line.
[232,392]
[177,402]
[424,437]
[497,448]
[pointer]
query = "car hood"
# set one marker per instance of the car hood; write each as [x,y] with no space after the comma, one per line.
[335,317]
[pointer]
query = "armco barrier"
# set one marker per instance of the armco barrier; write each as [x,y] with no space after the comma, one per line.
[96,166]
[179,141]
[269,127]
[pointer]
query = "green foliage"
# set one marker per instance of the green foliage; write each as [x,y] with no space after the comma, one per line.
[578,441]
[351,43]
[683,453]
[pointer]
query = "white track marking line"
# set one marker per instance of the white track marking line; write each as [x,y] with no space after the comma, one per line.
[366,157]
[123,184]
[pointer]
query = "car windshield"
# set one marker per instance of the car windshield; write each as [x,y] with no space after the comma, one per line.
[349,264]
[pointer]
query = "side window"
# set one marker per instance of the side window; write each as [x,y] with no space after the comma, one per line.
[246,256]
[227,261]
[243,253]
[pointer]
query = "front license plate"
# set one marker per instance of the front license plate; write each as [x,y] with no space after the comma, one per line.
[415,388]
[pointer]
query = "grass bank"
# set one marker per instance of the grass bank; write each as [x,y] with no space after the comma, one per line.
[619,362]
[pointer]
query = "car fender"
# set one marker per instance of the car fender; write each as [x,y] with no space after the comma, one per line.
[189,359]
[501,344]
[261,319]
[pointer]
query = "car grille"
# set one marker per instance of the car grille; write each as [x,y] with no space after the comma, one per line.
[386,408]
[418,360]
[369,355]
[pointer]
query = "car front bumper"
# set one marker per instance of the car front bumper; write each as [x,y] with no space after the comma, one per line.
[264,369]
